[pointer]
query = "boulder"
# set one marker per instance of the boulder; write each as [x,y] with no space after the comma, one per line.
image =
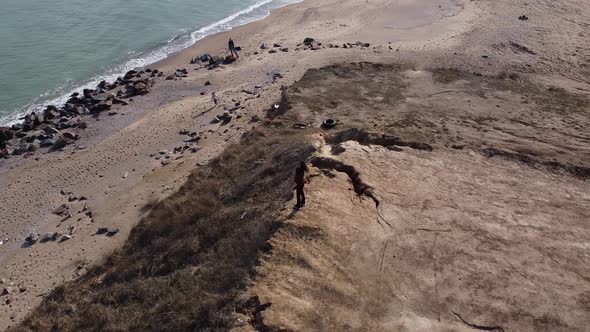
[207,83]
[32,238]
[204,58]
[65,238]
[59,143]
[102,85]
[102,97]
[263,46]
[62,209]
[130,74]
[116,100]
[216,60]
[308,41]
[47,142]
[71,136]
[6,134]
[47,237]
[51,112]
[87,93]
[112,231]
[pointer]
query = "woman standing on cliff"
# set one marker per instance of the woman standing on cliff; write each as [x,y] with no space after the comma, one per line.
[300,183]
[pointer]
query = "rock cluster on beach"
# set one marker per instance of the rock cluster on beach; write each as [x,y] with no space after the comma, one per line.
[212,61]
[55,127]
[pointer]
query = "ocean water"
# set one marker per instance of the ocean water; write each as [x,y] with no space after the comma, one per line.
[49,49]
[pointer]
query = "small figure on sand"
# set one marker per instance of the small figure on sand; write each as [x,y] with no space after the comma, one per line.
[300,183]
[232,48]
[214,98]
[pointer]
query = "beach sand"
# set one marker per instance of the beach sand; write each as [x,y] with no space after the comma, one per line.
[117,170]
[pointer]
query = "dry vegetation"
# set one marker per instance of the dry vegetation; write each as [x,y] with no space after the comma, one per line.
[186,261]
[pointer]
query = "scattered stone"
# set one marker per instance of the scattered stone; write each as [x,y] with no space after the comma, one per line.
[523,18]
[47,237]
[308,41]
[285,49]
[62,209]
[6,291]
[65,238]
[56,236]
[112,231]
[165,162]
[263,46]
[207,83]
[272,51]
[32,238]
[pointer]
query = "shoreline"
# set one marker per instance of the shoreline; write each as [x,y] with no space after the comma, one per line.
[137,156]
[145,57]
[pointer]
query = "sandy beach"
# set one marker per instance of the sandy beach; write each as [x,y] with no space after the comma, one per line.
[126,160]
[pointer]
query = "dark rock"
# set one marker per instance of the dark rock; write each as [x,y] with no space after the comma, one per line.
[207,83]
[102,84]
[308,41]
[65,238]
[205,58]
[216,60]
[71,136]
[101,97]
[130,74]
[523,18]
[276,45]
[6,291]
[170,78]
[6,134]
[59,143]
[263,46]
[47,237]
[285,49]
[119,101]
[87,93]
[272,51]
[32,238]
[62,209]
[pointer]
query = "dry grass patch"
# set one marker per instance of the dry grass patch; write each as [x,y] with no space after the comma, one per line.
[185,263]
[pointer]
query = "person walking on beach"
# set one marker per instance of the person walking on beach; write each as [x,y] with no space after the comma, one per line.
[214,98]
[232,48]
[299,183]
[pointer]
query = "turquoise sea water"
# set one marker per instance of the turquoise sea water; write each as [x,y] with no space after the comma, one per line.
[48,49]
